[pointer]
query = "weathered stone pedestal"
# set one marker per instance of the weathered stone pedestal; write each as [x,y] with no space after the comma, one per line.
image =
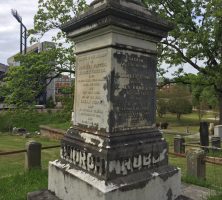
[113,151]
[69,183]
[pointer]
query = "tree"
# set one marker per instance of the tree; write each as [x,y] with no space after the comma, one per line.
[179,106]
[176,98]
[203,98]
[196,39]
[50,16]
[161,107]
[24,84]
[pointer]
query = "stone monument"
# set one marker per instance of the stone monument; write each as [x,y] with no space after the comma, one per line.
[113,151]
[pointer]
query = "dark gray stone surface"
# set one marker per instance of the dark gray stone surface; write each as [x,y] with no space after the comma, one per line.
[42,195]
[204,134]
[178,144]
[215,141]
[196,165]
[33,155]
[47,195]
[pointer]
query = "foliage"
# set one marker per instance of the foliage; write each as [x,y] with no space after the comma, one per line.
[179,106]
[195,41]
[50,16]
[161,107]
[30,119]
[50,103]
[25,83]
[175,99]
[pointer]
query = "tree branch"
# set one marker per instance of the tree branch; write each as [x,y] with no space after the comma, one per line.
[184,57]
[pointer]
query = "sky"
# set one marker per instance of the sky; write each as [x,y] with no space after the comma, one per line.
[10,28]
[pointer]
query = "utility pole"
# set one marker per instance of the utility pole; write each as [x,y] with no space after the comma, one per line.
[23,31]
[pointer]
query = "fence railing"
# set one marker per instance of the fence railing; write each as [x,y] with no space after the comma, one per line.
[25,150]
[32,154]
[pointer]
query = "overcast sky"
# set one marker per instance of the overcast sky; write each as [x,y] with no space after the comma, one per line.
[10,28]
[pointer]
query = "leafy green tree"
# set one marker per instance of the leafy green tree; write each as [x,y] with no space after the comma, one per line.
[176,99]
[50,16]
[204,98]
[179,106]
[196,39]
[25,83]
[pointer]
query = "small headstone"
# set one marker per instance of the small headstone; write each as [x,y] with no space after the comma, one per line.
[215,141]
[196,166]
[218,131]
[179,146]
[204,134]
[33,155]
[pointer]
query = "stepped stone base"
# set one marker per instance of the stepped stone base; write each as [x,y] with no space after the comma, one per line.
[47,195]
[70,184]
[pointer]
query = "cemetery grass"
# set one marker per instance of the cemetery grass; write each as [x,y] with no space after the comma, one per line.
[16,187]
[187,120]
[213,172]
[14,164]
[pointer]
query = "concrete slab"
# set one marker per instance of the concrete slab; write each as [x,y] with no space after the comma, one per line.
[189,192]
[196,192]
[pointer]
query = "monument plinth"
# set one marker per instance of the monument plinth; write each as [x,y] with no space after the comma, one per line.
[113,150]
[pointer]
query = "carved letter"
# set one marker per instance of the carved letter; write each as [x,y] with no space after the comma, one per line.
[147,160]
[125,166]
[90,162]
[98,166]
[82,160]
[137,162]
[114,166]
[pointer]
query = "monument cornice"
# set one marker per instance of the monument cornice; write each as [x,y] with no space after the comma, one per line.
[123,14]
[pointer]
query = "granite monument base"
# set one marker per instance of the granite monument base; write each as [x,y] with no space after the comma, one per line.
[71,184]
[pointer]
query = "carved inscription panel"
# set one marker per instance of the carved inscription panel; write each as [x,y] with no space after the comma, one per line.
[91,107]
[134,90]
[100,167]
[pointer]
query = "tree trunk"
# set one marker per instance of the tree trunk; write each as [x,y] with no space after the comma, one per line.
[220,108]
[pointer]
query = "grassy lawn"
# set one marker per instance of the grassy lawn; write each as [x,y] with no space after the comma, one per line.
[13,164]
[15,182]
[63,126]
[213,172]
[17,186]
[188,120]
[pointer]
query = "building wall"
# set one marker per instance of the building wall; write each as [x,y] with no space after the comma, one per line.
[64,81]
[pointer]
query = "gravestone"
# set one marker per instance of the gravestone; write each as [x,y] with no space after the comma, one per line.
[113,150]
[216,142]
[33,155]
[204,134]
[196,166]
[179,146]
[218,131]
